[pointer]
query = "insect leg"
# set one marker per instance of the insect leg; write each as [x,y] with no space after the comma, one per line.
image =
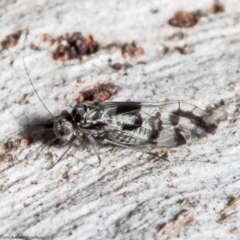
[94,146]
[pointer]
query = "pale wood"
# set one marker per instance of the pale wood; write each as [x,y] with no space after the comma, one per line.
[128,196]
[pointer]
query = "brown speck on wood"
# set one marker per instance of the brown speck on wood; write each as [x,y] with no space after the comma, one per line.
[112,45]
[176,36]
[15,143]
[184,19]
[130,50]
[186,49]
[48,156]
[74,46]
[6,158]
[48,38]
[25,142]
[224,217]
[229,210]
[121,66]
[34,47]
[25,204]
[97,93]
[65,175]
[11,40]
[163,49]
[24,99]
[217,7]
[12,144]
[234,230]
[177,225]
[20,235]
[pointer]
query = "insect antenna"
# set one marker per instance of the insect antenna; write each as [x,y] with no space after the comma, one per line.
[36,90]
[52,140]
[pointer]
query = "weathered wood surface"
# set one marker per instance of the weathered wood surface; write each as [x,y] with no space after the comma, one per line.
[196,195]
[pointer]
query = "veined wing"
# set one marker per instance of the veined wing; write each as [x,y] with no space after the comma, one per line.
[168,124]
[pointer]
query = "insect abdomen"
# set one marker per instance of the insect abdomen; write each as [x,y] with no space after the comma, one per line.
[133,130]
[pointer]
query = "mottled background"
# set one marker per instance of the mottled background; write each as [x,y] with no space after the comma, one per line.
[196,195]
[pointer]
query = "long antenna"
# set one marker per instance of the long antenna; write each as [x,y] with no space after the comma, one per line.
[36,90]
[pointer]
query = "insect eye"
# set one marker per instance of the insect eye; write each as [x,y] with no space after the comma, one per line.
[63,129]
[78,112]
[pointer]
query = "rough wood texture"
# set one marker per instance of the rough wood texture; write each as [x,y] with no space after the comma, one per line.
[196,195]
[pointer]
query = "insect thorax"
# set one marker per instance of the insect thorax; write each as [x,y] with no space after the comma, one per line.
[79,113]
[98,121]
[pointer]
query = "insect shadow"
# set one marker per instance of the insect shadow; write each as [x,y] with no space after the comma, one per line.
[50,131]
[42,131]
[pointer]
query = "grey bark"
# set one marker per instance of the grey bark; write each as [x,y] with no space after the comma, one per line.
[193,196]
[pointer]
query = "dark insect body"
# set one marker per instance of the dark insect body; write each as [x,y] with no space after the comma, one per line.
[134,125]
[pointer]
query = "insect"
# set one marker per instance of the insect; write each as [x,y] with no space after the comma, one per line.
[135,125]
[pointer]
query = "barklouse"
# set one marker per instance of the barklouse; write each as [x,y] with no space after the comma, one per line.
[139,126]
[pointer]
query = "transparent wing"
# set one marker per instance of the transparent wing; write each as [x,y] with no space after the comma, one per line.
[166,124]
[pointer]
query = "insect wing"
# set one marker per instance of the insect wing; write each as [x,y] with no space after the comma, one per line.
[167,124]
[182,122]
